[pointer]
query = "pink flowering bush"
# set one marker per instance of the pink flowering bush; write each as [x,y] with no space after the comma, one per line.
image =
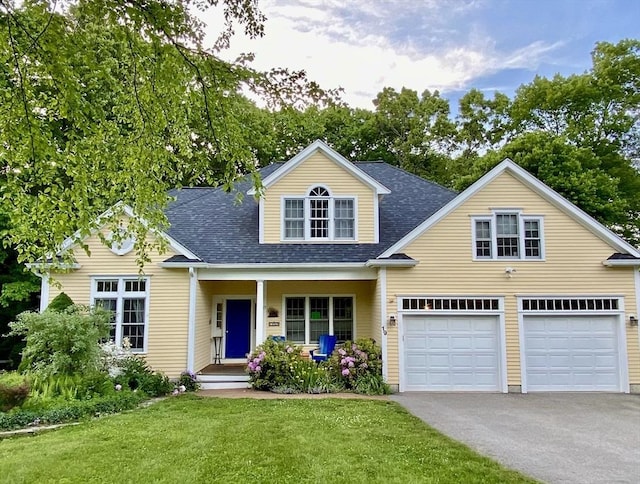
[271,365]
[358,366]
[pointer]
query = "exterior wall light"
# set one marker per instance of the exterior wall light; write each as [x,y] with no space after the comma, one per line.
[633,321]
[392,320]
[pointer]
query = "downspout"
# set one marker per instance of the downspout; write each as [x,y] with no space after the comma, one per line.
[191,335]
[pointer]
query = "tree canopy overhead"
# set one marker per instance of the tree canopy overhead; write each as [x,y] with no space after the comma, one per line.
[119,100]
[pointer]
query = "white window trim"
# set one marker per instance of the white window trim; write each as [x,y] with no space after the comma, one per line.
[307,219]
[119,295]
[307,314]
[494,236]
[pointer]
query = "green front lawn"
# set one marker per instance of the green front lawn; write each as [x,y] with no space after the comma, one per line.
[195,439]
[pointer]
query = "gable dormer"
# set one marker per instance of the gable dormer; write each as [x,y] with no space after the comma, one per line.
[319,197]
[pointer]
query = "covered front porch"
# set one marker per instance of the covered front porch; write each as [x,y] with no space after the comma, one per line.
[233,311]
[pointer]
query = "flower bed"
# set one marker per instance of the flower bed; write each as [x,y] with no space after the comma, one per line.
[281,367]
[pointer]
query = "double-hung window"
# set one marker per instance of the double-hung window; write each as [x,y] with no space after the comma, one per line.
[308,317]
[127,300]
[319,216]
[507,235]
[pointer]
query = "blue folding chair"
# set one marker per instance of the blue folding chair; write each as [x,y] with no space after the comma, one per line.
[326,345]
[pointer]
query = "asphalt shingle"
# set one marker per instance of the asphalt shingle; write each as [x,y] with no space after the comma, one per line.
[212,225]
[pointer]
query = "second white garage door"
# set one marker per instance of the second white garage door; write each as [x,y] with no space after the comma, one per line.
[571,353]
[451,353]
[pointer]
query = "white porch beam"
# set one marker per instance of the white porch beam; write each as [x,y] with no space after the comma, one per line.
[260,310]
[382,284]
[191,334]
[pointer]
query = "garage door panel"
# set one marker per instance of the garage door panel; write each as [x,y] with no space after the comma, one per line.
[461,353]
[415,343]
[461,342]
[572,353]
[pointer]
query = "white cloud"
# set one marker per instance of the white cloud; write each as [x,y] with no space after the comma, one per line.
[370,45]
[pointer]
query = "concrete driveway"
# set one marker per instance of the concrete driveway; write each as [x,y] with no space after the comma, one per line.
[553,437]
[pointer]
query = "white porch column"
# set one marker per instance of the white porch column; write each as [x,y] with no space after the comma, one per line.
[44,291]
[261,333]
[191,334]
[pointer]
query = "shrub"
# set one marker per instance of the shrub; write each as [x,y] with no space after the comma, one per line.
[189,380]
[60,303]
[309,377]
[61,342]
[137,375]
[14,390]
[271,365]
[70,411]
[358,365]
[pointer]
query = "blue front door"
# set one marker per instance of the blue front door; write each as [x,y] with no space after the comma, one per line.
[238,328]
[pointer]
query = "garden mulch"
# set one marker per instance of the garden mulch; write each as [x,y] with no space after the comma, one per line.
[251,393]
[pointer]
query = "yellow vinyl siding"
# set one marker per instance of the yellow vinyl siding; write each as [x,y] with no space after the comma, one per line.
[168,299]
[318,170]
[361,290]
[572,266]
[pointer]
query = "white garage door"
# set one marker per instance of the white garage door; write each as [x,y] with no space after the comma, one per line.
[571,353]
[445,353]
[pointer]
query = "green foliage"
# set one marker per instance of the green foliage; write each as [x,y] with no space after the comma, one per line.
[14,390]
[280,367]
[61,302]
[137,375]
[309,377]
[189,380]
[68,411]
[358,366]
[61,343]
[136,78]
[271,364]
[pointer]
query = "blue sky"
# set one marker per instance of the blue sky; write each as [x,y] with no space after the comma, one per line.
[449,45]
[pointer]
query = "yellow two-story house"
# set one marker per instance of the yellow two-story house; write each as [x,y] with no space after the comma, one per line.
[505,287]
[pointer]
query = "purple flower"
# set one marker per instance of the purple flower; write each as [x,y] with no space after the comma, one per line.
[346,372]
[342,352]
[351,364]
[258,369]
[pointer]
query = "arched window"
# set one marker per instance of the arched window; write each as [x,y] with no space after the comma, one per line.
[319,213]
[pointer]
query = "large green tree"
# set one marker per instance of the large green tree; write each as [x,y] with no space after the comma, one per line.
[119,100]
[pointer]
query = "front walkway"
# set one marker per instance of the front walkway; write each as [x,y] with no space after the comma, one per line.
[554,437]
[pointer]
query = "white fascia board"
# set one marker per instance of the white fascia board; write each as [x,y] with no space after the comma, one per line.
[391,263]
[337,158]
[127,210]
[620,262]
[532,182]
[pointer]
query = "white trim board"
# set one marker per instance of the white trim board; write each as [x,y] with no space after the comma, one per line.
[536,185]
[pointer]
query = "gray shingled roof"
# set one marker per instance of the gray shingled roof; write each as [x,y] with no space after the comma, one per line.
[209,223]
